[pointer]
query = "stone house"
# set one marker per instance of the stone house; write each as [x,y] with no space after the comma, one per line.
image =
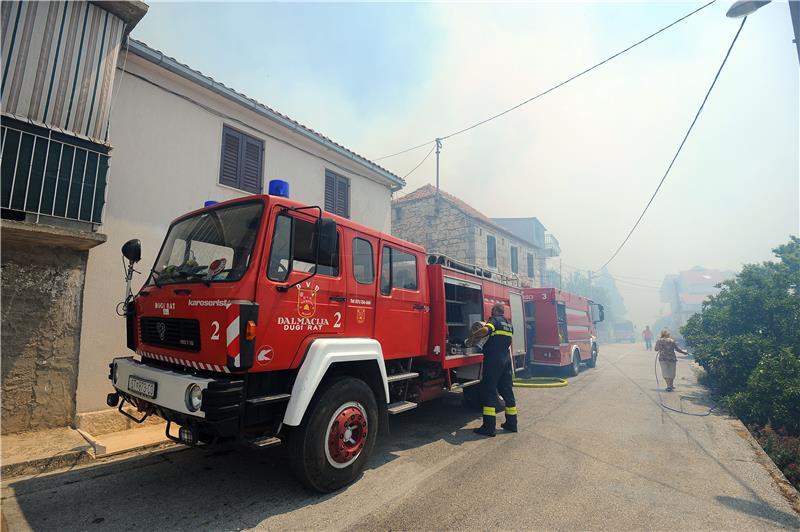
[446,225]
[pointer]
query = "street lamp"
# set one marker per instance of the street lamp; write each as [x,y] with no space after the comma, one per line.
[742,8]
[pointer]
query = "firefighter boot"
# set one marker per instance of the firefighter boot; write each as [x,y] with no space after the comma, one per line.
[511,419]
[488,427]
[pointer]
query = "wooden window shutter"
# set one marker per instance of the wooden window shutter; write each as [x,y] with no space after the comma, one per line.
[252,167]
[229,161]
[337,194]
[242,161]
[330,191]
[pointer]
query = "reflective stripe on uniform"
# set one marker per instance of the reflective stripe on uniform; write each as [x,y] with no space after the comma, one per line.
[502,333]
[489,325]
[489,411]
[511,410]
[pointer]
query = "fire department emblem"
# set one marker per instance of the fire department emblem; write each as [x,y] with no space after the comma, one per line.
[307,300]
[161,329]
[361,315]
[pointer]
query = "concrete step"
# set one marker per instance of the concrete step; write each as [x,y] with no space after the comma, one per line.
[127,440]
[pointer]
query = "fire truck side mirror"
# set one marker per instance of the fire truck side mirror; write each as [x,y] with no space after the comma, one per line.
[326,233]
[132,250]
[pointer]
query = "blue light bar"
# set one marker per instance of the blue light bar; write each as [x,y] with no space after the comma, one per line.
[209,203]
[279,187]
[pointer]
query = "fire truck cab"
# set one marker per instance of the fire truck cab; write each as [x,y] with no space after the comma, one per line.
[560,329]
[265,321]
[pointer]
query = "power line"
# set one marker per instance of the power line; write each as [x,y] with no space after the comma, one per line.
[420,163]
[685,137]
[418,146]
[554,87]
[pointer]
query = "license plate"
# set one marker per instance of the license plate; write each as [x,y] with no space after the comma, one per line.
[142,387]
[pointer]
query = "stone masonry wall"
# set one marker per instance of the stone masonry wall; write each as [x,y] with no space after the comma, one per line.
[41,322]
[449,231]
[444,230]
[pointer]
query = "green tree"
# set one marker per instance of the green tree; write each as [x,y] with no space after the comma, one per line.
[747,338]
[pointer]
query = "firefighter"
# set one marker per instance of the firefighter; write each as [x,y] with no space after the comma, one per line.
[497,375]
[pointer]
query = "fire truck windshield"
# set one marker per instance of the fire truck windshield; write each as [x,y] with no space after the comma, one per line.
[214,245]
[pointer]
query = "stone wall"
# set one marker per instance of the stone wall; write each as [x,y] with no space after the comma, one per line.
[448,230]
[443,229]
[41,323]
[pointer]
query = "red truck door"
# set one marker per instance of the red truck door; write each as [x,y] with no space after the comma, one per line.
[402,311]
[315,307]
[362,251]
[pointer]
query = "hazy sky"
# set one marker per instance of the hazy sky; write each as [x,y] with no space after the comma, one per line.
[584,159]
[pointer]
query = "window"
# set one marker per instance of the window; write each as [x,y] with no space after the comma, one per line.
[242,161]
[363,264]
[530,266]
[491,251]
[514,259]
[530,323]
[215,245]
[337,194]
[398,270]
[294,249]
[561,310]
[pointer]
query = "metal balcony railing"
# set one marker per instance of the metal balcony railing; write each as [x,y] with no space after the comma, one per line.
[551,245]
[47,173]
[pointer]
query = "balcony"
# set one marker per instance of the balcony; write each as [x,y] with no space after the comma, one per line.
[551,246]
[51,176]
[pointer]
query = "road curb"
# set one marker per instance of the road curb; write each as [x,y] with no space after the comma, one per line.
[71,459]
[787,490]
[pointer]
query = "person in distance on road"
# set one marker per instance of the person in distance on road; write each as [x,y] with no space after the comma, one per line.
[497,375]
[647,336]
[666,348]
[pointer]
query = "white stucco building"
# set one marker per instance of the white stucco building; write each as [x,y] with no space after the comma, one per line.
[180,138]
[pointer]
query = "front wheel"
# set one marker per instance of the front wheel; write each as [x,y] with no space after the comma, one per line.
[330,448]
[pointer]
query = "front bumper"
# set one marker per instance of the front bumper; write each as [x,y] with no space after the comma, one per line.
[220,410]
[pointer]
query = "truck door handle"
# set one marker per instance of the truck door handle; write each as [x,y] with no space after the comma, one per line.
[420,307]
[340,299]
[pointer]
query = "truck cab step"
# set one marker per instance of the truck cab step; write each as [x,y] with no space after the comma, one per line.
[267,399]
[401,406]
[401,376]
[461,385]
[263,442]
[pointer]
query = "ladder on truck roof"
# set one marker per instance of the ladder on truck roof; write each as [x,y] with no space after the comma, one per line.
[479,271]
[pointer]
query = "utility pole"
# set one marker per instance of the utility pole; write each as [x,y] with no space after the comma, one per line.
[677,311]
[438,150]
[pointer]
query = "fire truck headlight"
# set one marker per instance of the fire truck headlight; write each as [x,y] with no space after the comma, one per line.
[194,397]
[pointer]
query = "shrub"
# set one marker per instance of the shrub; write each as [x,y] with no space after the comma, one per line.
[784,450]
[772,394]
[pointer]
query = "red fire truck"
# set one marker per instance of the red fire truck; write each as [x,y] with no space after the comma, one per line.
[265,320]
[560,329]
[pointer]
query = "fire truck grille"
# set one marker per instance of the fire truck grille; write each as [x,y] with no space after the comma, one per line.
[171,332]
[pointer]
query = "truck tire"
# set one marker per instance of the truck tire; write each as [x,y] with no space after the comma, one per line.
[592,362]
[331,446]
[574,368]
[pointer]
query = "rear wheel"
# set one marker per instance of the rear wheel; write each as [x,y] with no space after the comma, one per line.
[574,368]
[592,362]
[330,448]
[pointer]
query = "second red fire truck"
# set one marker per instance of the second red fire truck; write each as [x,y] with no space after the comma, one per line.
[266,321]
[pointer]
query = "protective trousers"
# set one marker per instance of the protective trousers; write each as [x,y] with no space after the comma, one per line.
[497,378]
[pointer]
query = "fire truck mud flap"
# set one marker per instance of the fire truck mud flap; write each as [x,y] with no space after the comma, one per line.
[321,355]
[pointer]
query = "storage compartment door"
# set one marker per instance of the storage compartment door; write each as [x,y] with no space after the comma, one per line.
[518,322]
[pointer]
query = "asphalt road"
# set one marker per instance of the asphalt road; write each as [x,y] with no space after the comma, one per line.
[598,454]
